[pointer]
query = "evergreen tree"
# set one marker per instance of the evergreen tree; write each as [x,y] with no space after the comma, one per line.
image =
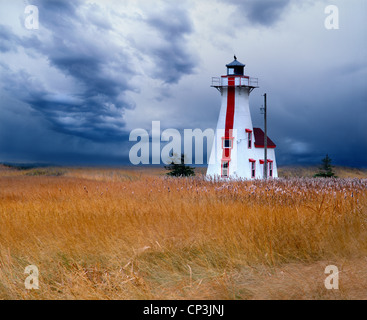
[326,169]
[180,169]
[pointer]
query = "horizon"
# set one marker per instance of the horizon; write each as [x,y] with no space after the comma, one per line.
[36,165]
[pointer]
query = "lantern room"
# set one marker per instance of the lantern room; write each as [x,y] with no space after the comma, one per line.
[235,68]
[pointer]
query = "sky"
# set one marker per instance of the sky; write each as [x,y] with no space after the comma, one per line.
[73,89]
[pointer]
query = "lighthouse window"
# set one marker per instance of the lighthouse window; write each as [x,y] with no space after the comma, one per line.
[227,144]
[249,140]
[270,169]
[253,170]
[225,168]
[230,71]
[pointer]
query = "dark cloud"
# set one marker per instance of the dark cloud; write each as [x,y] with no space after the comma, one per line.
[88,116]
[8,40]
[309,118]
[56,14]
[259,12]
[74,42]
[25,137]
[97,66]
[172,59]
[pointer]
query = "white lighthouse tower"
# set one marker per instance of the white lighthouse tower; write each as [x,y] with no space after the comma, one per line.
[238,148]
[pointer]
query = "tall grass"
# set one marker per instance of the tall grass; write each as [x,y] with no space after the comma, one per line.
[120,234]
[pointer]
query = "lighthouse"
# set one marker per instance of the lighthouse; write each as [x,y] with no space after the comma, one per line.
[238,147]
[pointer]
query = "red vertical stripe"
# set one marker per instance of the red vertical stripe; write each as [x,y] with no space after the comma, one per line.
[230,114]
[230,108]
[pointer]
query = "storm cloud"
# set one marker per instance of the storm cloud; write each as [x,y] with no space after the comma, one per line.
[172,58]
[76,41]
[265,12]
[71,91]
[8,40]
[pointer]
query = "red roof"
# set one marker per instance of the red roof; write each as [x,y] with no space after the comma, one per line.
[259,139]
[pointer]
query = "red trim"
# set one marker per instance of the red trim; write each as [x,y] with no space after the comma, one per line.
[262,161]
[251,160]
[248,130]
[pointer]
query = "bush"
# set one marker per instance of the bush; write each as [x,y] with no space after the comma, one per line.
[326,169]
[180,169]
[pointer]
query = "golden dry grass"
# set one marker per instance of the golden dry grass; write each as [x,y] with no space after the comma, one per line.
[135,234]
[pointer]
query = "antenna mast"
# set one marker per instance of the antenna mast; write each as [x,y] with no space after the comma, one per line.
[265,139]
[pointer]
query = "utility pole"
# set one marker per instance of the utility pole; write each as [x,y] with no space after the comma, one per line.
[265,140]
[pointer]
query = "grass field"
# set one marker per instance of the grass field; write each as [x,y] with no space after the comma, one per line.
[136,234]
